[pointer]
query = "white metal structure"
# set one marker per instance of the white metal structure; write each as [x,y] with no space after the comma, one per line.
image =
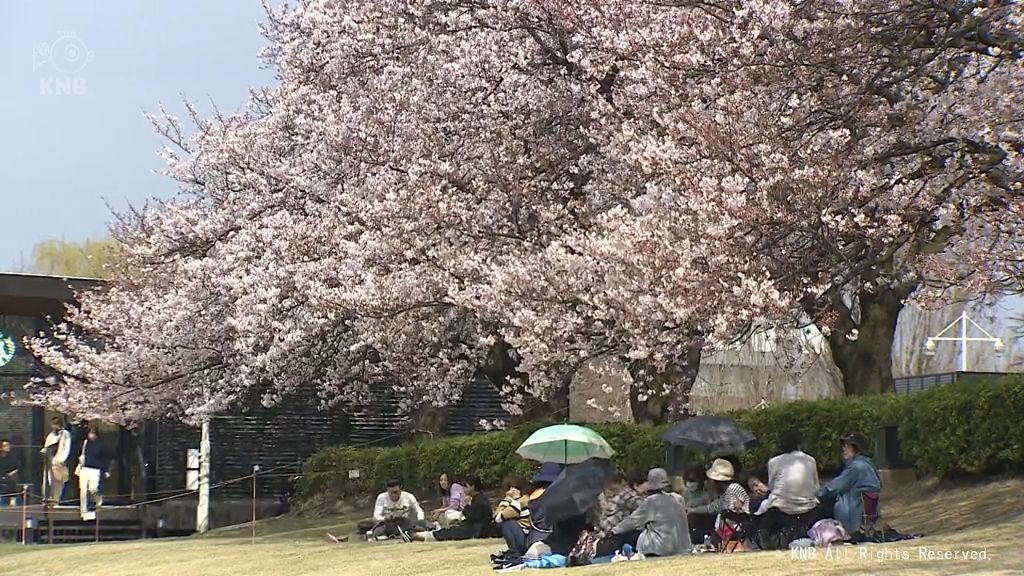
[965,323]
[203,506]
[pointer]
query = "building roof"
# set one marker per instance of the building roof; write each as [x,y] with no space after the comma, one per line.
[36,294]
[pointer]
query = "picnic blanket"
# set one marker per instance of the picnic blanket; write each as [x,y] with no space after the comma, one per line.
[549,561]
[883,536]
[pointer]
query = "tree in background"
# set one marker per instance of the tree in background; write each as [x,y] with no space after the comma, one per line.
[431,181]
[88,259]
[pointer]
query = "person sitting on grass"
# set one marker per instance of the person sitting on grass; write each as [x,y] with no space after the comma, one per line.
[756,482]
[792,477]
[659,523]
[695,486]
[732,499]
[513,515]
[477,516]
[545,477]
[729,495]
[623,504]
[697,493]
[545,538]
[790,506]
[395,512]
[452,502]
[859,477]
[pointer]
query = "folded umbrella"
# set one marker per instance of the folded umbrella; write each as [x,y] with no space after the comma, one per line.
[576,490]
[564,444]
[716,434]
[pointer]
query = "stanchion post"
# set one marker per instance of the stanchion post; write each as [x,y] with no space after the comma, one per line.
[255,469]
[97,526]
[24,514]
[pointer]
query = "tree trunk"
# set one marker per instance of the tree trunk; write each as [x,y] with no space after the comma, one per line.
[501,367]
[555,407]
[655,407]
[866,361]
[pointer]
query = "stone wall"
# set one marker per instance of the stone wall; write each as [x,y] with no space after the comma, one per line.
[764,371]
[734,379]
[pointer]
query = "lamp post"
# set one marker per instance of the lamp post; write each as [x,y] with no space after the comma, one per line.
[964,322]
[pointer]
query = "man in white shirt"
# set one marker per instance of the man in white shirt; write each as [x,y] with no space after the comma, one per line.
[395,512]
[792,478]
[56,450]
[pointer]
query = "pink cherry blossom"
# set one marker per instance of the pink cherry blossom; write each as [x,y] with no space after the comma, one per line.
[574,179]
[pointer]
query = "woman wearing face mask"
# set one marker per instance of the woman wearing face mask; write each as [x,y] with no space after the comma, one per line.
[696,494]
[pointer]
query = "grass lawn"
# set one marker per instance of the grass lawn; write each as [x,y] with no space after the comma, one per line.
[987,517]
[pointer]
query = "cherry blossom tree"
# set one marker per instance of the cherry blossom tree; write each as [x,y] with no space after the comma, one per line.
[861,150]
[430,182]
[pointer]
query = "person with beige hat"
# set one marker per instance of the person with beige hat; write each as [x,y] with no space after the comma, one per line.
[732,497]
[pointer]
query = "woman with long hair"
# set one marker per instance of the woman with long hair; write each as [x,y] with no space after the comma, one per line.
[453,500]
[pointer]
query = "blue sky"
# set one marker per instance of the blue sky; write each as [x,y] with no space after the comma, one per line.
[73,137]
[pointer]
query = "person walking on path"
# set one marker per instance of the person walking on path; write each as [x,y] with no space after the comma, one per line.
[93,466]
[56,450]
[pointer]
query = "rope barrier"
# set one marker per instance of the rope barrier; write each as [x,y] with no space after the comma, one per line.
[167,495]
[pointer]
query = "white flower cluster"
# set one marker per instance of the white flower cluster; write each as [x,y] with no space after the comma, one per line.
[430,180]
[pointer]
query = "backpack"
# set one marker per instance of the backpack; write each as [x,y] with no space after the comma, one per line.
[827,531]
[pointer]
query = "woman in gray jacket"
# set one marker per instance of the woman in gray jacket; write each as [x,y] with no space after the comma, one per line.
[661,518]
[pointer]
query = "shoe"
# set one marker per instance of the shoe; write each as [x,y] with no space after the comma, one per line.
[88,516]
[499,556]
[404,535]
[619,558]
[637,556]
[336,539]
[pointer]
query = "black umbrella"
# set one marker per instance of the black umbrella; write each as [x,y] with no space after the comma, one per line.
[715,434]
[576,490]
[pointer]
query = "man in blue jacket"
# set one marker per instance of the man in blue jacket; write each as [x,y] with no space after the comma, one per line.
[93,466]
[859,476]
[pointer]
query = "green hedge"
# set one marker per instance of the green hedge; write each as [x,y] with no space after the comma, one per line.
[491,456]
[821,422]
[970,427]
[974,427]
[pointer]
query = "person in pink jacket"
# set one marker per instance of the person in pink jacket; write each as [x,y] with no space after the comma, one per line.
[453,500]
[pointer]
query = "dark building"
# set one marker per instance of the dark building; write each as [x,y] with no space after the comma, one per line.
[26,301]
[153,460]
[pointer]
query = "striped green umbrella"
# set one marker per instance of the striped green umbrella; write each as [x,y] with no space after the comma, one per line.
[565,444]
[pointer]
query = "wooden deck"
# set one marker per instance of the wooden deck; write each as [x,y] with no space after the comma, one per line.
[64,524]
[175,517]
